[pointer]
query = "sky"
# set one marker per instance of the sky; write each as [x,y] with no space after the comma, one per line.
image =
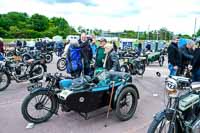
[115,15]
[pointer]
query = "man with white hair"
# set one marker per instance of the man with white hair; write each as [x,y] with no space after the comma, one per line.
[112,58]
[186,55]
[86,52]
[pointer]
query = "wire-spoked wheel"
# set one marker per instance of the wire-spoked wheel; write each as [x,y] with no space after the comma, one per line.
[126,104]
[38,107]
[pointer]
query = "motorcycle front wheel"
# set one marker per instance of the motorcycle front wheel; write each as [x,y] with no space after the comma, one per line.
[4,80]
[162,125]
[140,69]
[38,107]
[61,64]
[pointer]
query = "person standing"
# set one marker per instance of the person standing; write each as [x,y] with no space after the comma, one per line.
[86,52]
[186,55]
[100,54]
[196,64]
[93,46]
[174,57]
[112,59]
[1,46]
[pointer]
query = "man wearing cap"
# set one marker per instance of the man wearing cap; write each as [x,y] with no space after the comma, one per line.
[100,53]
[174,57]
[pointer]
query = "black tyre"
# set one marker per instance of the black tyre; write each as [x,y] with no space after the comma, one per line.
[48,58]
[140,68]
[122,102]
[124,68]
[61,64]
[37,70]
[41,99]
[162,125]
[4,81]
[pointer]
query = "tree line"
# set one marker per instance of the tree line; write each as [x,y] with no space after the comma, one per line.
[20,25]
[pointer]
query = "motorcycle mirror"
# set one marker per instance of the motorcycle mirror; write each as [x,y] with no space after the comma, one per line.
[158,74]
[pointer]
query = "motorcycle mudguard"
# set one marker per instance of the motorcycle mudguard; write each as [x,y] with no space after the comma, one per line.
[27,55]
[35,90]
[158,116]
[120,88]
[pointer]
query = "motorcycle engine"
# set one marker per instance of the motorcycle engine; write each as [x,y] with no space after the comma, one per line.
[19,68]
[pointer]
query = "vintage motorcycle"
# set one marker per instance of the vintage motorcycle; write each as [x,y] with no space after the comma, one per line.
[133,65]
[20,71]
[82,95]
[182,112]
[35,54]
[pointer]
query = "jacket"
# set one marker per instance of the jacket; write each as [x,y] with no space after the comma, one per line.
[100,56]
[196,60]
[174,56]
[112,61]
[186,56]
[86,50]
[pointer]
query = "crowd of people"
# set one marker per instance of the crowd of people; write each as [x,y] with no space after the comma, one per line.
[184,56]
[80,54]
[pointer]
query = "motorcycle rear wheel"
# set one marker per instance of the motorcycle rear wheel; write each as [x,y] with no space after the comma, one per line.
[48,58]
[61,64]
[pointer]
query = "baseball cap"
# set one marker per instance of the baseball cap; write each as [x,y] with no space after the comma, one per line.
[103,40]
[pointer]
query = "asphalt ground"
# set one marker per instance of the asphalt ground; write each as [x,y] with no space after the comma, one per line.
[151,101]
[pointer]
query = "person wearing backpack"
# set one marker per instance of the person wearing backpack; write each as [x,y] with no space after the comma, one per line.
[86,52]
[74,59]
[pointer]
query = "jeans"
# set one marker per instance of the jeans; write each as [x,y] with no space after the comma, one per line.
[172,70]
[196,76]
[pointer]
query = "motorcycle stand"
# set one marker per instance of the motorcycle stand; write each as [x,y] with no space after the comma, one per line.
[84,115]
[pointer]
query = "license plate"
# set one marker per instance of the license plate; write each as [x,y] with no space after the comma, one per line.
[32,86]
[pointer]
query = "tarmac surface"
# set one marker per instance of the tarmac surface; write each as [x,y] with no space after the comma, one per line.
[151,90]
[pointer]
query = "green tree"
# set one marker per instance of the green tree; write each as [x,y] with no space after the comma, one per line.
[39,22]
[198,33]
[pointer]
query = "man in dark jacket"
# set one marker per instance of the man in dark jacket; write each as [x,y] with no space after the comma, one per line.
[86,52]
[196,64]
[112,58]
[186,55]
[174,57]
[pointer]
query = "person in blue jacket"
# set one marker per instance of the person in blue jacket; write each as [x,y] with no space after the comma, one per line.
[93,46]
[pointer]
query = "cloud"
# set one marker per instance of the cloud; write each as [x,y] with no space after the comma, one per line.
[115,15]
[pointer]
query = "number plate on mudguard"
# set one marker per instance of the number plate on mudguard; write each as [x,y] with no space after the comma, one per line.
[32,86]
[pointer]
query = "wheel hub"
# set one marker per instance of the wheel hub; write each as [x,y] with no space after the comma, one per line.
[39,106]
